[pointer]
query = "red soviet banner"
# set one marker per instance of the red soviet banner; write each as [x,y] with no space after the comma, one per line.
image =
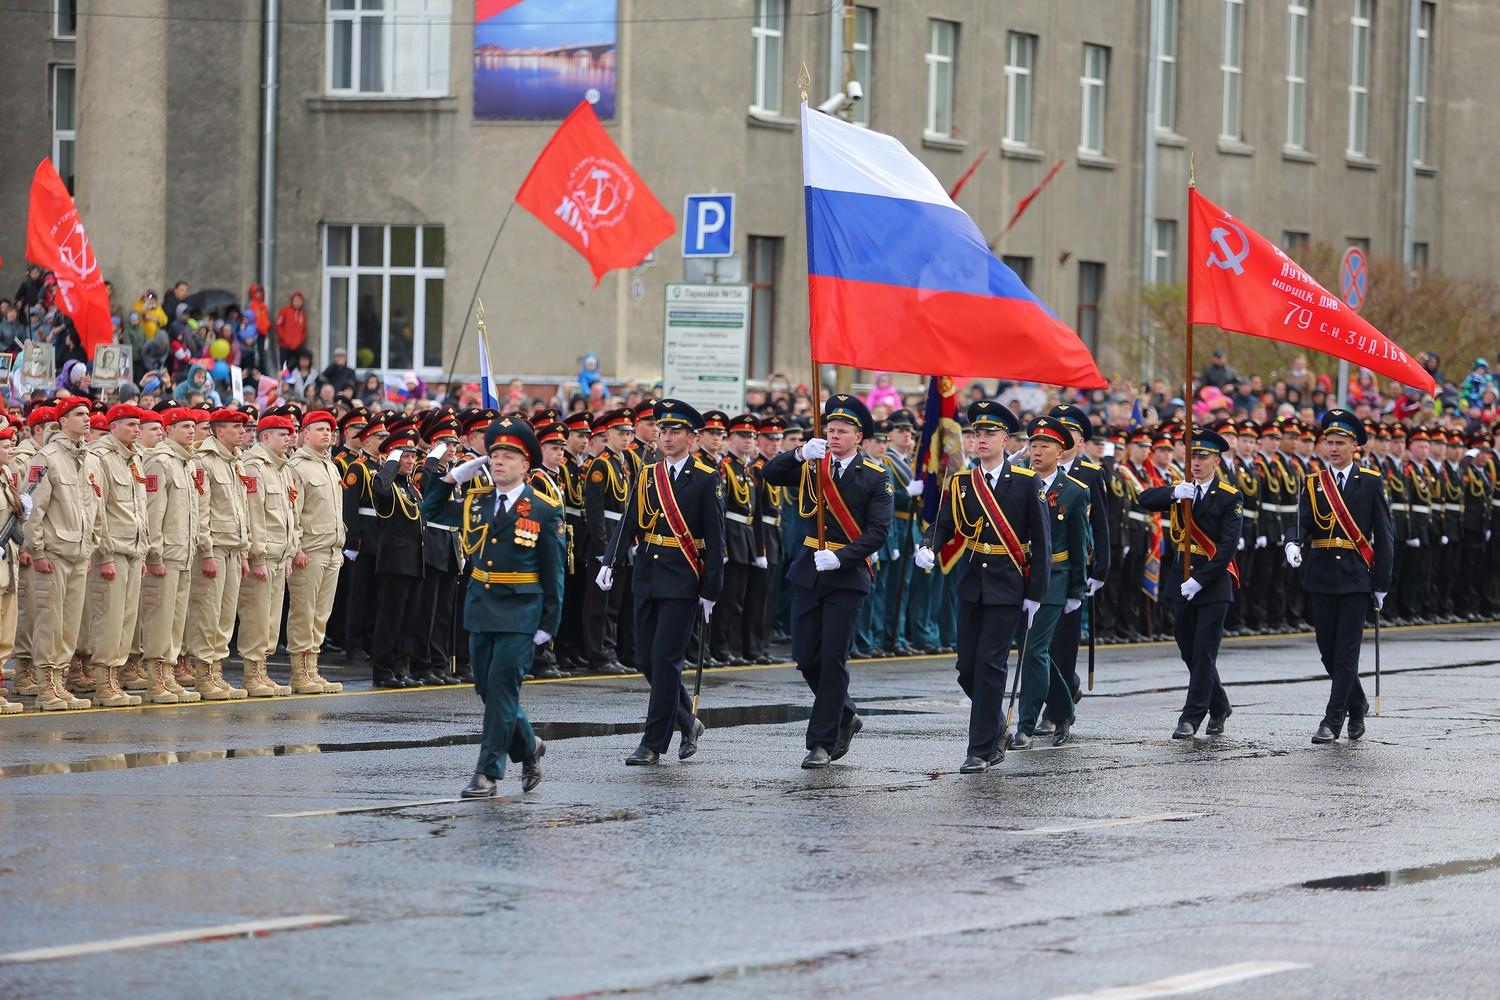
[583,189]
[1242,282]
[56,241]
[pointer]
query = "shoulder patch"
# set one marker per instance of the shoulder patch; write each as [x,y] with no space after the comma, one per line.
[1368,472]
[1233,491]
[1022,470]
[547,499]
[890,489]
[351,479]
[1087,464]
[151,483]
[597,476]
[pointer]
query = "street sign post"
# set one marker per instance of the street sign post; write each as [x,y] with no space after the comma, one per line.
[708,225]
[706,332]
[1354,289]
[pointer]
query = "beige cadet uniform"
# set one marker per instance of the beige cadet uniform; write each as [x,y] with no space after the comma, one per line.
[112,471]
[213,601]
[171,534]
[61,531]
[318,516]
[268,501]
[10,503]
[26,682]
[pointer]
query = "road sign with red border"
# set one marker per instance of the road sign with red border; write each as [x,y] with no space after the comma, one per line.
[1354,278]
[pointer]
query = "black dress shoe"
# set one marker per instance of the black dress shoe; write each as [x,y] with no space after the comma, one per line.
[547,671]
[1077,696]
[816,758]
[974,765]
[766,659]
[531,767]
[846,736]
[998,754]
[388,682]
[1216,723]
[1064,735]
[689,744]
[1045,728]
[642,756]
[464,677]
[481,786]
[1020,741]
[427,680]
[615,669]
[1185,731]
[1356,727]
[1324,734]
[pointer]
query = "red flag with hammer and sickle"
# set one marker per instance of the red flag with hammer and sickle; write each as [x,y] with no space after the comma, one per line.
[56,241]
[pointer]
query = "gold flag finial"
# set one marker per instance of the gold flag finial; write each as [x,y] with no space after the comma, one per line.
[804,81]
[479,314]
[1192,171]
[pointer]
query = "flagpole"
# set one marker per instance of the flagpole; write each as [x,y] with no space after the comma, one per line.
[804,81]
[1187,396]
[453,362]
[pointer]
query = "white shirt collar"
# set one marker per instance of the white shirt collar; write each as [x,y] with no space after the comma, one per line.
[511,496]
[991,473]
[843,463]
[1047,481]
[1344,471]
[675,467]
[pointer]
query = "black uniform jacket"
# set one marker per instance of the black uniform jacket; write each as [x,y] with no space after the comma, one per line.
[867,490]
[1092,475]
[398,508]
[985,575]
[1330,565]
[1219,514]
[661,570]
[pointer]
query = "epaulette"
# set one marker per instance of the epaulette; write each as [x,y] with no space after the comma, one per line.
[1229,489]
[1368,472]
[1087,464]
[474,490]
[703,466]
[546,498]
[1024,471]
[1082,486]
[870,464]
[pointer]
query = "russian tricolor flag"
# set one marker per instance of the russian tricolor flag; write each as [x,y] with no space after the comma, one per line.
[900,278]
[488,392]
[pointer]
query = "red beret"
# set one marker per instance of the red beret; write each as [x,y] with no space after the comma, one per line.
[149,417]
[122,411]
[178,414]
[224,415]
[99,422]
[276,422]
[8,433]
[41,415]
[320,417]
[69,403]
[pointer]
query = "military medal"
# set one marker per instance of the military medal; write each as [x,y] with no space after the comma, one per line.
[527,531]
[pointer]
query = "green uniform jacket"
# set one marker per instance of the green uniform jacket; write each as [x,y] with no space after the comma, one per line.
[1067,511]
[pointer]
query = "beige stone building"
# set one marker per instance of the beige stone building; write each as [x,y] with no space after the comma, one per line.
[1363,121]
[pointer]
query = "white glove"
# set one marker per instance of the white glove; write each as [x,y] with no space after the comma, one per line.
[761,562]
[825,560]
[1260,541]
[1415,543]
[468,470]
[605,579]
[1293,554]
[707,606]
[895,555]
[1031,608]
[924,558]
[813,449]
[1190,588]
[875,559]
[914,488]
[351,554]
[26,506]
[1445,539]
[1379,599]
[1182,491]
[1071,605]
[1095,586]
[1125,552]
[395,455]
[541,638]
[1241,545]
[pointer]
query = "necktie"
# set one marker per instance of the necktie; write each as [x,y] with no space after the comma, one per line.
[674,473]
[838,471]
[500,505]
[1341,482]
[993,478]
[1197,492]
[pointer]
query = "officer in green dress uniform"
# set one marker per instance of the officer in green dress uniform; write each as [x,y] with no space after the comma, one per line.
[514,538]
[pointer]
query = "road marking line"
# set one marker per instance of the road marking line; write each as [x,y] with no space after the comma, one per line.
[366,809]
[1102,824]
[252,928]
[1191,982]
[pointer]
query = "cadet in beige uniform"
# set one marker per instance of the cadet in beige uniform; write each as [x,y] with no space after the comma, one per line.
[317,503]
[222,549]
[171,531]
[59,541]
[114,581]
[134,675]
[41,421]
[10,504]
[268,501]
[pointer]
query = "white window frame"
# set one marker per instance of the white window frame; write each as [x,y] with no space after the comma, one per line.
[863,62]
[760,72]
[1094,90]
[57,18]
[1427,20]
[424,26]
[1166,67]
[939,64]
[1163,251]
[1361,26]
[1232,73]
[61,136]
[354,270]
[1020,72]
[1298,21]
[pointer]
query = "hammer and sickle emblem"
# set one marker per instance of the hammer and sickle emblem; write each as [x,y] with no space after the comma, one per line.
[1226,258]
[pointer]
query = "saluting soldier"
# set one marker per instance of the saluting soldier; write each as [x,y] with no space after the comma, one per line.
[1202,577]
[317,507]
[115,581]
[675,522]
[831,579]
[1475,519]
[362,537]
[269,502]
[550,477]
[433,659]
[1092,475]
[569,644]
[1344,522]
[400,564]
[996,514]
[763,591]
[741,546]
[1136,531]
[513,537]
[606,491]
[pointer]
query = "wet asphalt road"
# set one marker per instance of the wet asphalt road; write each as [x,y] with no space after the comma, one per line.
[738,874]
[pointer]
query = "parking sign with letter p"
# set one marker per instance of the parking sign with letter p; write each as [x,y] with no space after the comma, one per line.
[708,225]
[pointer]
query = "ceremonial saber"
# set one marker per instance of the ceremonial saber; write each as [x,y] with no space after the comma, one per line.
[1377,659]
[702,646]
[1093,627]
[1015,687]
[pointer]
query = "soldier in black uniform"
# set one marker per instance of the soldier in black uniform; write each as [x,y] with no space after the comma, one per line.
[1091,474]
[1344,524]
[362,538]
[1476,487]
[994,583]
[677,502]
[764,588]
[741,543]
[569,643]
[1449,497]
[549,478]
[1237,468]
[433,660]
[1135,538]
[1201,587]
[607,484]
[400,563]
[829,582]
[1421,538]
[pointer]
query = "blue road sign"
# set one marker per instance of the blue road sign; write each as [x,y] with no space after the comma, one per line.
[708,225]
[1354,278]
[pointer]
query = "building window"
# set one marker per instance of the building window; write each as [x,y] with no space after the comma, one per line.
[765,254]
[1298,24]
[396,48]
[1021,266]
[1359,77]
[942,50]
[765,56]
[64,19]
[1019,63]
[1293,242]
[1093,81]
[1423,73]
[383,295]
[864,61]
[1419,256]
[1232,72]
[1361,243]
[64,82]
[1090,294]
[1166,67]
[1164,252]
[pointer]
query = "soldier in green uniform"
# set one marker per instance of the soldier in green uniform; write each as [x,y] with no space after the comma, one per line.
[514,538]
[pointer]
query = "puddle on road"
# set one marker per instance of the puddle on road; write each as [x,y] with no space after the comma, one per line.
[713,718]
[1404,876]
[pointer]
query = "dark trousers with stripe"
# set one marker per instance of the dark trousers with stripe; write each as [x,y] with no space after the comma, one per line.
[985,632]
[727,627]
[1199,628]
[823,624]
[1340,623]
[500,660]
[663,627]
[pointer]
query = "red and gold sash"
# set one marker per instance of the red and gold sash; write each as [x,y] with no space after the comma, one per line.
[1345,519]
[1210,549]
[1000,523]
[837,506]
[675,520]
